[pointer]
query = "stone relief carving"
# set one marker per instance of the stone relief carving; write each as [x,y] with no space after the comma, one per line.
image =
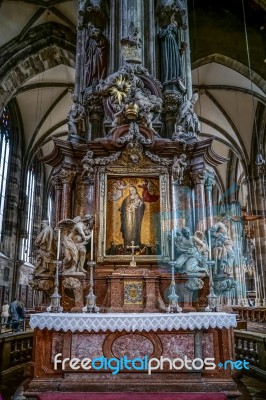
[158,160]
[133,135]
[88,163]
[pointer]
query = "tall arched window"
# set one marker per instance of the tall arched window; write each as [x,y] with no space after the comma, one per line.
[30,194]
[4,160]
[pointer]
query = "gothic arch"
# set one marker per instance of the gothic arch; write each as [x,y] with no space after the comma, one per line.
[46,46]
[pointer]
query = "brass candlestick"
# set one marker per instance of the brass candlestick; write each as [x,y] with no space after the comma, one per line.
[55,297]
[173,297]
[91,298]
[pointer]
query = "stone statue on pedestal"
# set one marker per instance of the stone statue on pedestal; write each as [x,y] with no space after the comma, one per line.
[96,57]
[46,250]
[222,245]
[171,53]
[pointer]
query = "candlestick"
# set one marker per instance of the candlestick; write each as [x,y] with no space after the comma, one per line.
[173,245]
[58,244]
[92,245]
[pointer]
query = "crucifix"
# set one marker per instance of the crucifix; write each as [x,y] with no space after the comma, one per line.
[133,248]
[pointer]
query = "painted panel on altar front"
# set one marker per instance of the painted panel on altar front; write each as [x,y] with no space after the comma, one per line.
[133,214]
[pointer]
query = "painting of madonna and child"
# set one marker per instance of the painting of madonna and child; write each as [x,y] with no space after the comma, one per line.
[133,215]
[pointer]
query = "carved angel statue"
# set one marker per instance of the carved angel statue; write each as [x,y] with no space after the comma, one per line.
[190,249]
[46,252]
[188,119]
[81,235]
[178,168]
[75,115]
[88,164]
[76,234]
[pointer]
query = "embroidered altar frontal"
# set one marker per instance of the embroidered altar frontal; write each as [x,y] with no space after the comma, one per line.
[132,336]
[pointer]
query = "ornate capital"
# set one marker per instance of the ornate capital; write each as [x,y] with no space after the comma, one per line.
[56,182]
[94,104]
[171,104]
[209,183]
[67,175]
[198,177]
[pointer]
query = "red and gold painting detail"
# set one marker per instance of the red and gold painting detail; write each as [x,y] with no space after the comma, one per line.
[133,215]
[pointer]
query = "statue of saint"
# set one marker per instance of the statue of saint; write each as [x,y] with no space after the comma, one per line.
[171,52]
[46,249]
[96,56]
[190,249]
[132,210]
[222,245]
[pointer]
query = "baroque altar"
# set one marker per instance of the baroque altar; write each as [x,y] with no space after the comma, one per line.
[133,221]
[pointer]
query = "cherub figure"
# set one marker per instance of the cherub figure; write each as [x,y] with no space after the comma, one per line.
[75,115]
[88,164]
[178,168]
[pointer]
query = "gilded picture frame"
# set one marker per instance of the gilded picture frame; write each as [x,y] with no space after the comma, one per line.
[137,198]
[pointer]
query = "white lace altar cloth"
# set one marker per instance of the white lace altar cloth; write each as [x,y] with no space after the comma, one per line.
[131,322]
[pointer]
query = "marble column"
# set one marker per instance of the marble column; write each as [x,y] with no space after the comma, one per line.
[67,177]
[57,183]
[198,180]
[209,184]
[259,188]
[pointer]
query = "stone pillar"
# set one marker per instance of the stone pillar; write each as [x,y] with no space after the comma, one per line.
[209,184]
[56,181]
[260,231]
[67,177]
[198,179]
[93,102]
[79,196]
